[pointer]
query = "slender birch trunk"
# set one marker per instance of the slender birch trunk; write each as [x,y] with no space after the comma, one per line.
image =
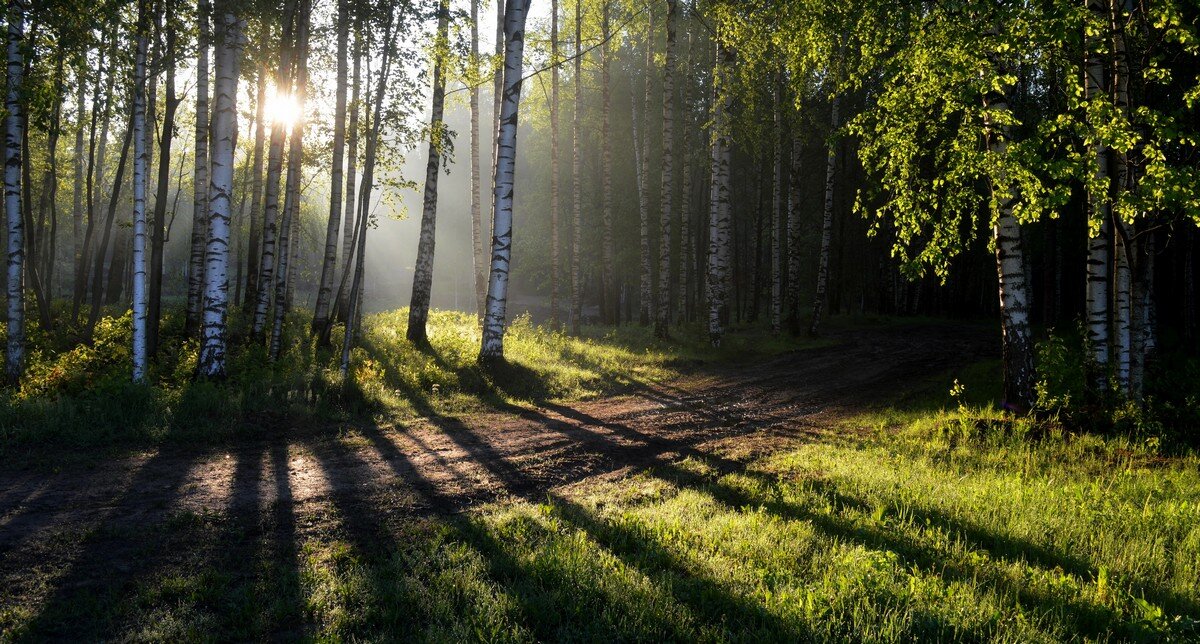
[101,258]
[720,207]
[1143,316]
[266,271]
[340,305]
[1122,304]
[200,182]
[554,258]
[140,304]
[814,326]
[1099,223]
[577,180]
[608,265]
[92,178]
[492,345]
[478,261]
[228,54]
[795,195]
[158,235]
[77,192]
[354,298]
[14,356]
[418,309]
[777,245]
[662,319]
[289,237]
[329,262]
[254,248]
[645,291]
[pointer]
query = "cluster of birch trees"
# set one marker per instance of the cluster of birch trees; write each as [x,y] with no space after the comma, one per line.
[729,161]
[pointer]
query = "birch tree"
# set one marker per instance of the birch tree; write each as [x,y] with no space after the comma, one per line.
[576,180]
[140,304]
[418,310]
[608,285]
[256,189]
[492,345]
[200,182]
[645,291]
[554,224]
[213,338]
[266,271]
[720,207]
[158,234]
[814,326]
[662,318]
[14,356]
[329,261]
[777,244]
[1099,212]
[478,261]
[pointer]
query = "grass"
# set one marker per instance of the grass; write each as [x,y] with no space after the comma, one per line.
[932,518]
[78,398]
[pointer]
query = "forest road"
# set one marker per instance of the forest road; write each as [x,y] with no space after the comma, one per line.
[83,522]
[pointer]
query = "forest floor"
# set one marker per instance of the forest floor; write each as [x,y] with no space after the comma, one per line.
[768,500]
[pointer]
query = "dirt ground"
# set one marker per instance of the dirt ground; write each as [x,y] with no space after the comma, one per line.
[68,529]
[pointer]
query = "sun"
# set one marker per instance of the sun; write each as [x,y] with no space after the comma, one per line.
[283,110]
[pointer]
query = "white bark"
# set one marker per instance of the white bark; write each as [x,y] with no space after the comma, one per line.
[1099,219]
[645,291]
[662,319]
[826,225]
[777,217]
[213,336]
[1123,306]
[576,181]
[200,176]
[418,310]
[266,271]
[492,346]
[719,217]
[608,269]
[554,224]
[336,181]
[15,350]
[478,260]
[140,291]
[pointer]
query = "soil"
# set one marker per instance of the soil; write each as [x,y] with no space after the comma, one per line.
[74,528]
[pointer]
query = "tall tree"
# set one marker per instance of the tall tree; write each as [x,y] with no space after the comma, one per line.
[158,234]
[795,196]
[777,244]
[608,280]
[478,259]
[418,310]
[720,206]
[266,271]
[1099,211]
[340,305]
[329,262]
[200,182]
[492,345]
[814,326]
[228,54]
[577,180]
[253,259]
[662,318]
[14,355]
[554,224]
[645,290]
[140,303]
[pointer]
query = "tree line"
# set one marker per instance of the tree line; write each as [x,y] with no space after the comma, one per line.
[756,161]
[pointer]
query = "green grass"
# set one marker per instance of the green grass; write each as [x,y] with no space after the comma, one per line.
[78,397]
[912,531]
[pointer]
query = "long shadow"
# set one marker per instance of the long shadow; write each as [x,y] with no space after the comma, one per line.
[111,556]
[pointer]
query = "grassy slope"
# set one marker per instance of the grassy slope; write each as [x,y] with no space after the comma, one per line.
[909,522]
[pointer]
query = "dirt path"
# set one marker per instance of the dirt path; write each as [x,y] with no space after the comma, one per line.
[84,524]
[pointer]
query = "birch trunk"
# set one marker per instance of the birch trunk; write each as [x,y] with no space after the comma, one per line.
[793,238]
[1123,304]
[777,246]
[418,309]
[662,320]
[329,261]
[354,298]
[554,258]
[814,326]
[228,55]
[101,255]
[478,261]
[140,304]
[608,285]
[340,304]
[253,259]
[266,271]
[289,237]
[492,345]
[1099,223]
[77,192]
[645,291]
[14,355]
[719,214]
[577,180]
[200,182]
[158,235]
